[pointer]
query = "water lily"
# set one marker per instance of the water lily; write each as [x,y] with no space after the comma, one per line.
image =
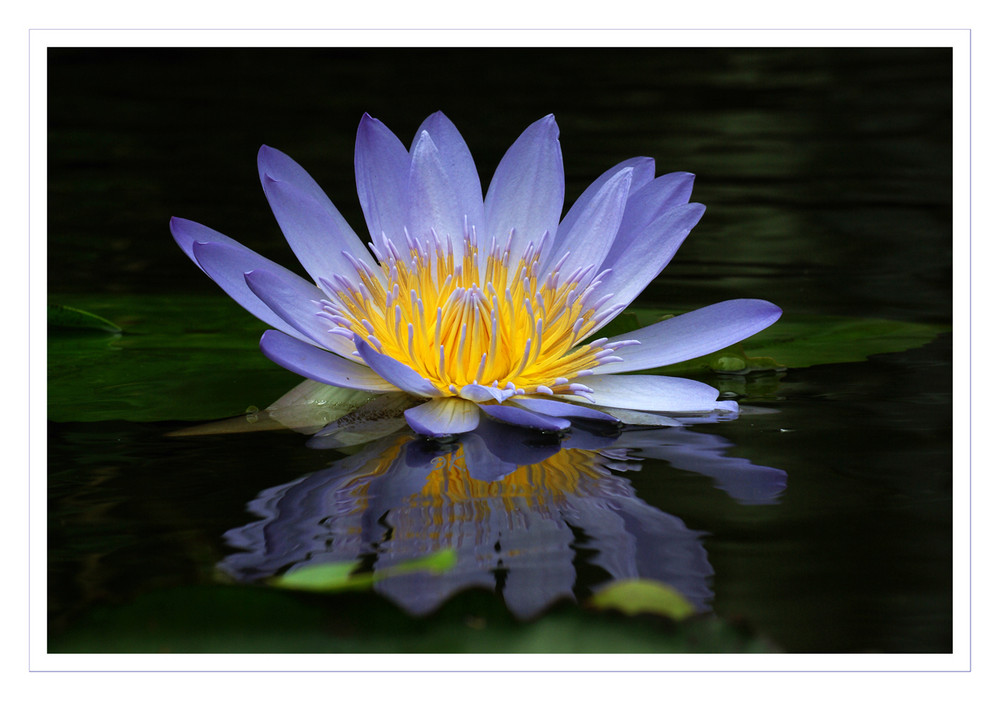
[473,305]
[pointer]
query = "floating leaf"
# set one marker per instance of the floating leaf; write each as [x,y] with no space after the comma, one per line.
[184,359]
[807,340]
[794,341]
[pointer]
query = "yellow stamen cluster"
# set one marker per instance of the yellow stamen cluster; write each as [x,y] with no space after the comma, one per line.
[458,319]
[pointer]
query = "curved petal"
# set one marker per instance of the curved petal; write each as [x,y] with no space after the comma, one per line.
[651,393]
[227,265]
[691,335]
[589,238]
[315,230]
[307,360]
[381,168]
[187,233]
[457,161]
[297,306]
[552,407]
[648,253]
[522,417]
[445,416]
[434,203]
[525,197]
[643,169]
[401,376]
[656,197]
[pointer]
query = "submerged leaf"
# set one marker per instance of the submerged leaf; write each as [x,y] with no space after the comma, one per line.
[337,576]
[633,596]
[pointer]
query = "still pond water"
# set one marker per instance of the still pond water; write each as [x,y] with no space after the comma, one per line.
[819,521]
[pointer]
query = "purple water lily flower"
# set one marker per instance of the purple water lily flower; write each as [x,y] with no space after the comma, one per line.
[474,304]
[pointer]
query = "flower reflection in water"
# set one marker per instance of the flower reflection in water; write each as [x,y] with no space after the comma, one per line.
[522,515]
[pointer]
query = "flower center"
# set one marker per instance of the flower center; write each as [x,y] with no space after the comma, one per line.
[465,318]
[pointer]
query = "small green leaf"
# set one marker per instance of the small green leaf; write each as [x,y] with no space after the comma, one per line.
[728,363]
[331,576]
[336,576]
[71,318]
[632,596]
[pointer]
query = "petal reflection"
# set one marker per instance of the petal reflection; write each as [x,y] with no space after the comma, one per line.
[523,515]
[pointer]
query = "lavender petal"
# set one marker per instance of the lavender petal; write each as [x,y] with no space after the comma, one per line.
[401,376]
[315,230]
[445,416]
[692,335]
[322,366]
[525,197]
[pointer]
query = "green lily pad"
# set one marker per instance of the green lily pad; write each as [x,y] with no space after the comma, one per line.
[797,341]
[196,358]
[176,358]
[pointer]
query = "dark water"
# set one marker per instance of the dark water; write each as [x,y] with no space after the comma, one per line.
[827,178]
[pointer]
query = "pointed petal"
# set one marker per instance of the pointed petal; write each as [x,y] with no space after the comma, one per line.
[187,233]
[692,335]
[648,253]
[402,376]
[642,173]
[226,264]
[315,230]
[457,161]
[651,201]
[322,366]
[433,200]
[552,407]
[522,417]
[297,306]
[445,416]
[589,238]
[651,393]
[527,190]
[381,167]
